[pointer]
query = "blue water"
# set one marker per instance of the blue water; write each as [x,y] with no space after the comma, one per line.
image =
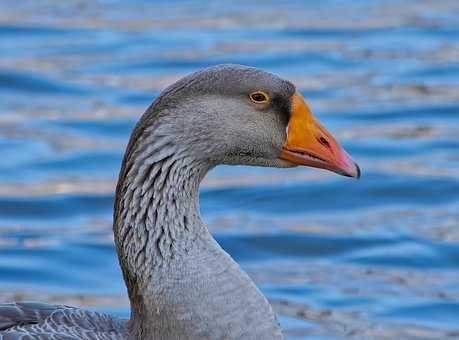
[376,258]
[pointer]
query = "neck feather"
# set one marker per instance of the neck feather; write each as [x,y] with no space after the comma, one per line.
[181,284]
[157,219]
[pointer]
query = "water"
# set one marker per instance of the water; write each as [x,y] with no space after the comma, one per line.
[376,258]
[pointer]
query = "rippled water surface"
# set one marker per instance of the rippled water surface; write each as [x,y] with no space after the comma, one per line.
[376,258]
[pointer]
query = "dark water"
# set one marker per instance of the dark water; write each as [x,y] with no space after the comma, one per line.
[376,258]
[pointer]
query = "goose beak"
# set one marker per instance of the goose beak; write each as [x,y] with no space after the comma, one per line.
[309,143]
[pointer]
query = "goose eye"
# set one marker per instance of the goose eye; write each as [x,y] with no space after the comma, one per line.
[259,97]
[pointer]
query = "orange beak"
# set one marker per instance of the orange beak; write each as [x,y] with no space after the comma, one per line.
[309,143]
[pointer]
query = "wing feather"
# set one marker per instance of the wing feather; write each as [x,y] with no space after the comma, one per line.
[24,313]
[29,320]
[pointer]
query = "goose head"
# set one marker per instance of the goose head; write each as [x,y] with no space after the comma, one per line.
[234,114]
[226,114]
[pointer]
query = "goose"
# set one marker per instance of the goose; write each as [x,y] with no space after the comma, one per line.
[181,284]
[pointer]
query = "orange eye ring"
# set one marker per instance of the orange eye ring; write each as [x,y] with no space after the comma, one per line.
[259,97]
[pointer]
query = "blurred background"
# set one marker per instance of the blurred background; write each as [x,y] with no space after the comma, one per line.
[376,258]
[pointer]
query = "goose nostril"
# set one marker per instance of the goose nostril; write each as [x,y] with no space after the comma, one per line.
[324,141]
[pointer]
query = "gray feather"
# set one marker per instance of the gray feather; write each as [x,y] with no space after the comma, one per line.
[26,320]
[181,283]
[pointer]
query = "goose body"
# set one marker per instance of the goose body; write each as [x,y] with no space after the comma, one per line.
[181,283]
[45,321]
